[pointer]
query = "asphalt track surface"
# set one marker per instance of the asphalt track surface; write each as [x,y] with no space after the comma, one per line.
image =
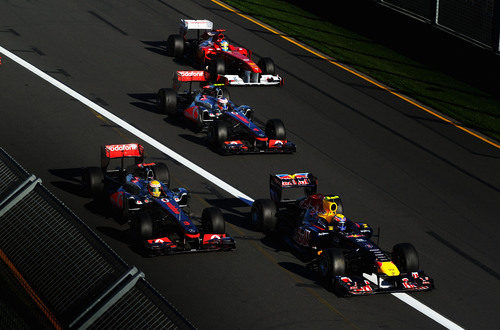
[419,179]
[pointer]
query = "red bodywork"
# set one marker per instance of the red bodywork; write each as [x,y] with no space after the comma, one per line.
[206,53]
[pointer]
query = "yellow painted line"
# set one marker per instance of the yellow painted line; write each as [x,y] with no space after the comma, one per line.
[404,98]
[30,291]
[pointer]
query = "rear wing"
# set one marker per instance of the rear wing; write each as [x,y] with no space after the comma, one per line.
[192,24]
[280,182]
[196,76]
[121,151]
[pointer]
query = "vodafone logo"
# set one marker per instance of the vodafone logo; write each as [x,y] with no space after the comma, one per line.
[159,240]
[190,73]
[122,147]
[215,237]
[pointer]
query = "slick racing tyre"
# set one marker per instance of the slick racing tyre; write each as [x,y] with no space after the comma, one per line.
[175,46]
[216,67]
[92,181]
[263,215]
[161,173]
[405,257]
[212,221]
[275,129]
[167,101]
[331,263]
[267,66]
[218,133]
[143,227]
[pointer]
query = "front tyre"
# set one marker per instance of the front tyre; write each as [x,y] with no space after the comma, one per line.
[275,129]
[144,227]
[331,264]
[218,133]
[216,67]
[405,257]
[267,66]
[213,221]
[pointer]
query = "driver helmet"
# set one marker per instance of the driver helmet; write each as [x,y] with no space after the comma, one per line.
[222,103]
[224,45]
[340,222]
[154,188]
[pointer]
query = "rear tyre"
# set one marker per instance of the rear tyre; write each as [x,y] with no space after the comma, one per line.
[213,221]
[218,133]
[267,66]
[331,263]
[167,101]
[263,216]
[162,173]
[275,129]
[175,46]
[92,181]
[405,257]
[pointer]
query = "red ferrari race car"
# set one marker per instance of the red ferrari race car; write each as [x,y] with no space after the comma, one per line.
[211,51]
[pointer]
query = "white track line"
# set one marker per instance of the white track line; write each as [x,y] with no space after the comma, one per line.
[197,169]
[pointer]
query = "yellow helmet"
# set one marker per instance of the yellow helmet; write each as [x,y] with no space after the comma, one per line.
[154,188]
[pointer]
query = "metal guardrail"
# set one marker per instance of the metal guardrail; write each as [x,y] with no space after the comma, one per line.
[71,274]
[475,21]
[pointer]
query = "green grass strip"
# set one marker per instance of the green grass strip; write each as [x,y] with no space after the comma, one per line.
[475,108]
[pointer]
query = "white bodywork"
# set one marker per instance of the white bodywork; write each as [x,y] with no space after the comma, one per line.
[265,79]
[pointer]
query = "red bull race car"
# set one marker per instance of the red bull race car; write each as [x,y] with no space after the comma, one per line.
[230,128]
[211,51]
[141,195]
[348,261]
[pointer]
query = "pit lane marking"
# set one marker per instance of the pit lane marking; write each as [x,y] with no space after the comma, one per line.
[192,166]
[360,75]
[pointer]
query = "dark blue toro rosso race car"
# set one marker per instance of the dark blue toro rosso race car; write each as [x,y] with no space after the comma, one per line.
[348,261]
[229,127]
[141,195]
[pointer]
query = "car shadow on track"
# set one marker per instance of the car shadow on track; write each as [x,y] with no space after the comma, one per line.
[146,101]
[72,181]
[157,47]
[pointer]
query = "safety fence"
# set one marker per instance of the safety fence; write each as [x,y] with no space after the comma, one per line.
[477,21]
[74,278]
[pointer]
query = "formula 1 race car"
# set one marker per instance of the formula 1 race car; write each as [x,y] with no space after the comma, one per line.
[211,51]
[140,194]
[349,263]
[229,127]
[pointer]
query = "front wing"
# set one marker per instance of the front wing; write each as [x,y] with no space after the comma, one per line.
[274,146]
[207,243]
[372,284]
[254,80]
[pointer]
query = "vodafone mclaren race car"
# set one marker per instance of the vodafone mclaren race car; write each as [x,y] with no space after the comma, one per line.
[141,195]
[211,51]
[229,127]
[348,261]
